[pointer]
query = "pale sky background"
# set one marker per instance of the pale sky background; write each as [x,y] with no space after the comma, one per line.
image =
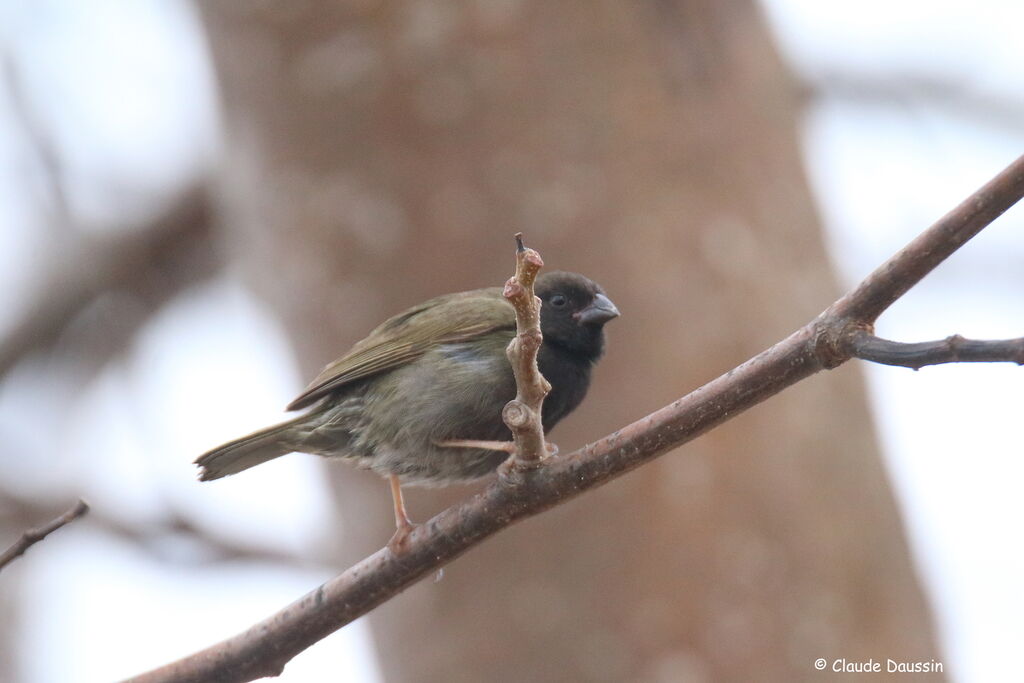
[914,105]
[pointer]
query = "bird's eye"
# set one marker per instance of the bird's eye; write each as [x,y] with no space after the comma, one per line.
[559,300]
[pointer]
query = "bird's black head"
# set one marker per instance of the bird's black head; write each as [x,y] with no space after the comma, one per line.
[573,313]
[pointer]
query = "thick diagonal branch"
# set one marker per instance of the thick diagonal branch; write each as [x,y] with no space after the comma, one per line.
[266,647]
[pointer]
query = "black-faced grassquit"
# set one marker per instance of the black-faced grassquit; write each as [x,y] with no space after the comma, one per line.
[435,374]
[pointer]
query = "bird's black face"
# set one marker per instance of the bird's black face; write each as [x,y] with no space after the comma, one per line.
[573,312]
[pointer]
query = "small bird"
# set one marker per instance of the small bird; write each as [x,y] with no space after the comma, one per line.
[418,400]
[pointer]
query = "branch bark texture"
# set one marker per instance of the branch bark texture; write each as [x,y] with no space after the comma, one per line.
[265,648]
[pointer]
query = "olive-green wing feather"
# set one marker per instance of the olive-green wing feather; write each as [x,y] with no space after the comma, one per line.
[410,334]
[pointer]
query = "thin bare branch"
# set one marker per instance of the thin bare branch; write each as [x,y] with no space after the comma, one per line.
[523,413]
[954,349]
[33,536]
[265,648]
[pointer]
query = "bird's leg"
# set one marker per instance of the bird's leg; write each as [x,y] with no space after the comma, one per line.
[402,522]
[506,446]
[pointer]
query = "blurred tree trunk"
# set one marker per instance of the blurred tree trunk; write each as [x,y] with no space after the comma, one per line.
[381,153]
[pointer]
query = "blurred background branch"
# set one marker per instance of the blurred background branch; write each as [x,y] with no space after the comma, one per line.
[135,271]
[918,92]
[34,130]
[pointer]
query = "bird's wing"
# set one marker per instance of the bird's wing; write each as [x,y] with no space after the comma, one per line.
[408,335]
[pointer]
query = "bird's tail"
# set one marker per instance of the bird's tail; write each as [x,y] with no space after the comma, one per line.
[246,452]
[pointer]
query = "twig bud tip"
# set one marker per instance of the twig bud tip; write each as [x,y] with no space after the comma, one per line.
[519,242]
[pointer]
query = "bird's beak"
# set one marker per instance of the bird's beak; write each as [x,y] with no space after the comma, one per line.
[599,312]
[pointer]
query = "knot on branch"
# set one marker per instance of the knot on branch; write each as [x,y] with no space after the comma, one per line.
[833,340]
[513,290]
[526,342]
[954,344]
[516,414]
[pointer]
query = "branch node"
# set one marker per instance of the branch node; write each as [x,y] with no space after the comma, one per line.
[513,290]
[516,414]
[513,472]
[954,343]
[833,340]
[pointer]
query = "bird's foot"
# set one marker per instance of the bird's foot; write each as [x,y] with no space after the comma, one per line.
[400,540]
[403,525]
